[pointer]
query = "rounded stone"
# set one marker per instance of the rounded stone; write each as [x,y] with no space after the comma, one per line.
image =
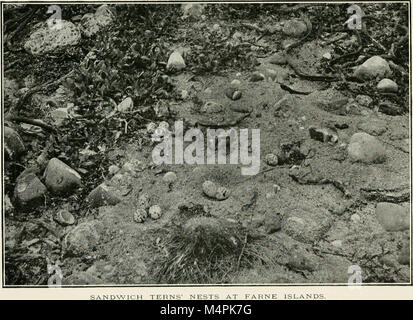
[366,149]
[393,217]
[169,177]
[65,218]
[387,85]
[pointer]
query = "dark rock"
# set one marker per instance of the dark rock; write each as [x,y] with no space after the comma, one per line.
[104,195]
[257,76]
[13,144]
[60,178]
[29,191]
[273,222]
[322,134]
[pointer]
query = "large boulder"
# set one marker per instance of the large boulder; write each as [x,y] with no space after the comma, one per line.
[46,40]
[60,178]
[375,67]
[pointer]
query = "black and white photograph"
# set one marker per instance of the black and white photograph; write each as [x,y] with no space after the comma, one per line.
[150,144]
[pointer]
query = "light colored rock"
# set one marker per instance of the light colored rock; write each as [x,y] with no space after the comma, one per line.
[175,62]
[235,84]
[93,23]
[45,40]
[169,177]
[271,74]
[366,149]
[387,85]
[375,67]
[194,10]
[65,218]
[295,28]
[211,107]
[126,105]
[83,239]
[60,178]
[364,100]
[393,217]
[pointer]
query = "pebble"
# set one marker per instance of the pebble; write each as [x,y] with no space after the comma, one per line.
[327,56]
[364,100]
[295,28]
[393,217]
[155,212]
[60,178]
[257,76]
[337,243]
[355,218]
[233,93]
[366,149]
[271,159]
[140,215]
[235,84]
[113,169]
[64,217]
[175,62]
[322,134]
[387,85]
[372,68]
[169,177]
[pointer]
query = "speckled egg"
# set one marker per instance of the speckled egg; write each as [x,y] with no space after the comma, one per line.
[140,215]
[155,212]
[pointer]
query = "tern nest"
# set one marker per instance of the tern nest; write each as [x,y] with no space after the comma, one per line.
[203,250]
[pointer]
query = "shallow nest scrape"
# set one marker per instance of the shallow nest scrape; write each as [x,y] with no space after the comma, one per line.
[203,250]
